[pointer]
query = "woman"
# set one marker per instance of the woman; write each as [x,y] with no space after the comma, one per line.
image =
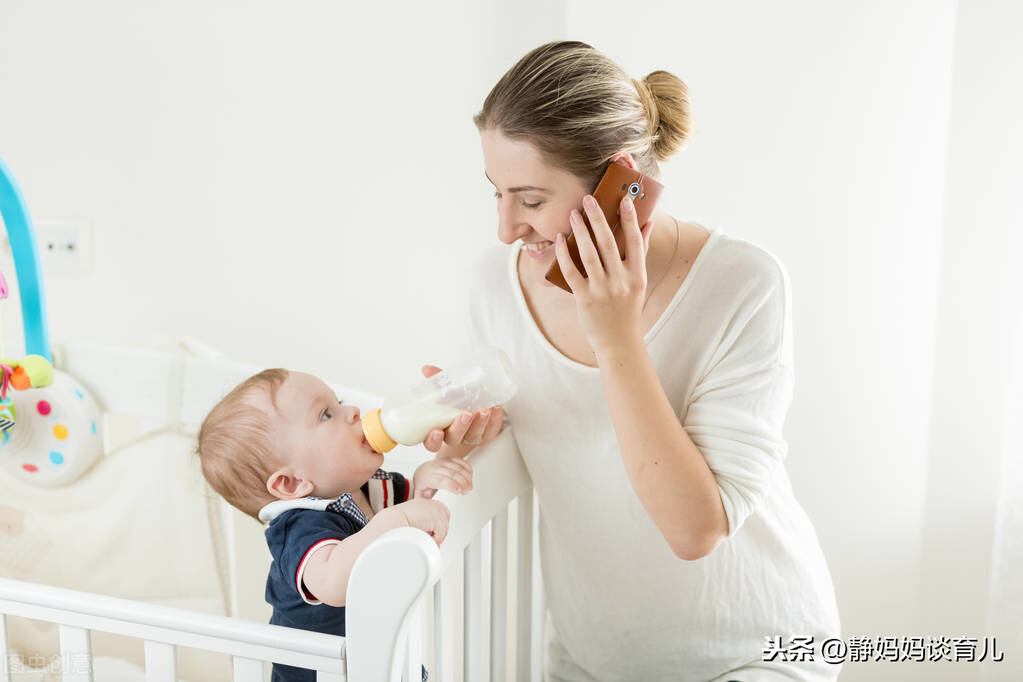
[652,398]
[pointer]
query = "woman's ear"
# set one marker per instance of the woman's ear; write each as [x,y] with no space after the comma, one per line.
[284,486]
[626,158]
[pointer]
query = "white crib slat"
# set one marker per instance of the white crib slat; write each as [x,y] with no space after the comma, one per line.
[539,607]
[485,534]
[443,627]
[5,669]
[425,622]
[499,596]
[414,649]
[524,588]
[247,670]
[438,630]
[75,654]
[161,662]
[472,604]
[329,677]
[424,628]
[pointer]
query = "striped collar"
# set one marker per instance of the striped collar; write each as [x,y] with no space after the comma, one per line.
[378,497]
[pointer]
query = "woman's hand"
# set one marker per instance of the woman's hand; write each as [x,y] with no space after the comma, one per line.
[610,297]
[442,474]
[469,430]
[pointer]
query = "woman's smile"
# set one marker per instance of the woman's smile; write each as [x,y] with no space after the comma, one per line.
[538,250]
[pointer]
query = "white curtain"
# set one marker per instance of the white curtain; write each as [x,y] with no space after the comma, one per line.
[1005,602]
[972,569]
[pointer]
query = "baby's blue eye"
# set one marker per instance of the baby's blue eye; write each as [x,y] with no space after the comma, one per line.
[325,415]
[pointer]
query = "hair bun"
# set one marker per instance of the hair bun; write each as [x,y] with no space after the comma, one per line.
[666,99]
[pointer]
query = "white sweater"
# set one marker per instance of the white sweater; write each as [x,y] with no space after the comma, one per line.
[622,605]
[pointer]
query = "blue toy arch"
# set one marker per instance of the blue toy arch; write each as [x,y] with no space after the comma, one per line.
[26,262]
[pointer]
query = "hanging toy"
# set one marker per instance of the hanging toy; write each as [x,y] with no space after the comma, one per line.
[49,422]
[56,435]
[6,408]
[32,371]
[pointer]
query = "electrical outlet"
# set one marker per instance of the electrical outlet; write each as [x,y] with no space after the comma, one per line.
[64,248]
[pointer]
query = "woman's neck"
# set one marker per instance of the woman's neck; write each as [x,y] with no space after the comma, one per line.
[664,242]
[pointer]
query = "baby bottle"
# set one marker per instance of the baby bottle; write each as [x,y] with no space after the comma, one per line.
[486,379]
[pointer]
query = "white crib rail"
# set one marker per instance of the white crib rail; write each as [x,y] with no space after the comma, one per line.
[386,589]
[398,581]
[500,479]
[163,628]
[500,482]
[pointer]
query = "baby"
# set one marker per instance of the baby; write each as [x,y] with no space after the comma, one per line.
[283,449]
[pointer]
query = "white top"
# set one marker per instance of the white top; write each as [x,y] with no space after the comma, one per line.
[622,605]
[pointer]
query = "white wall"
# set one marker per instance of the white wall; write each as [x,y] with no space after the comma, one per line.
[297,184]
[280,180]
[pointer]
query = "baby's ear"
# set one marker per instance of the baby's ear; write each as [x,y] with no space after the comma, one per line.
[284,486]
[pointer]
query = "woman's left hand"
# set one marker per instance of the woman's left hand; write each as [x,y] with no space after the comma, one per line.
[610,297]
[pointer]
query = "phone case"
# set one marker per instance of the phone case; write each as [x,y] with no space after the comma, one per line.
[618,181]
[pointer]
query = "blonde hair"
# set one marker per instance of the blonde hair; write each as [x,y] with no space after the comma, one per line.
[237,445]
[579,108]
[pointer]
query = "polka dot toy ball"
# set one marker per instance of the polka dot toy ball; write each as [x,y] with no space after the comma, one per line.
[56,436]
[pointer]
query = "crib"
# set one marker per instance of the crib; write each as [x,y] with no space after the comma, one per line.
[401,607]
[397,619]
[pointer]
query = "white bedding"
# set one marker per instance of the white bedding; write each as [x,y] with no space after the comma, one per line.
[135,526]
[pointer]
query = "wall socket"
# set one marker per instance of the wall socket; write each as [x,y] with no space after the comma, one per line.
[64,247]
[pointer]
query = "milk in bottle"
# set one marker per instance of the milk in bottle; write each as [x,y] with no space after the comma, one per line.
[486,379]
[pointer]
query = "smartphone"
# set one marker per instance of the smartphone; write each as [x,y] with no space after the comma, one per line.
[619,180]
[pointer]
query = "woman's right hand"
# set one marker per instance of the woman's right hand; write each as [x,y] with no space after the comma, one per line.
[469,430]
[429,516]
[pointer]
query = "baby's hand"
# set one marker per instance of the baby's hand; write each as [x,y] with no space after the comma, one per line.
[447,474]
[429,516]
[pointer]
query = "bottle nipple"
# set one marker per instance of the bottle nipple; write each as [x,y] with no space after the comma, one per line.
[376,436]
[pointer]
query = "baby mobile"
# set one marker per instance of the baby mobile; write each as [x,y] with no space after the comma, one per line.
[49,422]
